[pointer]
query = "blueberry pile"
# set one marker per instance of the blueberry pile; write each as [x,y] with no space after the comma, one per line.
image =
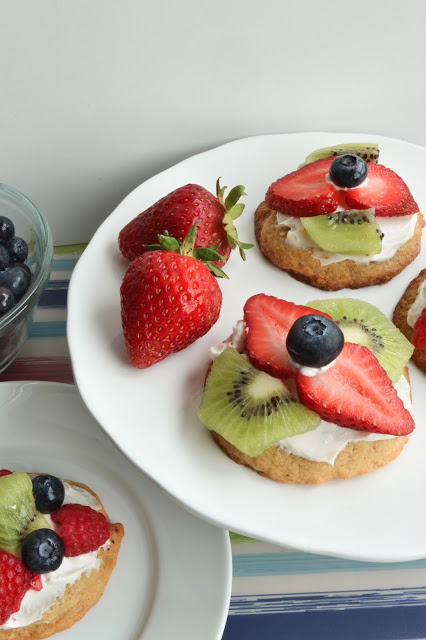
[15,275]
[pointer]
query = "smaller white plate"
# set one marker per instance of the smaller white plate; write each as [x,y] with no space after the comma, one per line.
[174,572]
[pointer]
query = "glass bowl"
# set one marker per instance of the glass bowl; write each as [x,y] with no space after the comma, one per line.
[30,225]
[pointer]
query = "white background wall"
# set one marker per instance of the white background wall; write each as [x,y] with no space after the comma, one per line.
[98,95]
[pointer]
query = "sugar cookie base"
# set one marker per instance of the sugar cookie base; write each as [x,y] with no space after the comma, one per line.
[301,264]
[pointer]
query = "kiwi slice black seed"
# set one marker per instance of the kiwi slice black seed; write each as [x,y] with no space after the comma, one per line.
[368,151]
[249,408]
[18,513]
[352,232]
[362,323]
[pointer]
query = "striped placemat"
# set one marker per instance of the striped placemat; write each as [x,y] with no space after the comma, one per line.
[276,593]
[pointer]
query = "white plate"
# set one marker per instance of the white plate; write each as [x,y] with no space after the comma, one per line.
[173,575]
[151,414]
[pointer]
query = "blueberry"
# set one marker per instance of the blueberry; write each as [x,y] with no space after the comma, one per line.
[314,341]
[48,492]
[7,300]
[23,266]
[7,229]
[18,249]
[16,279]
[348,170]
[4,257]
[42,551]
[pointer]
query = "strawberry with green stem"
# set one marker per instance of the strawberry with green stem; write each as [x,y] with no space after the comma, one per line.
[169,298]
[179,211]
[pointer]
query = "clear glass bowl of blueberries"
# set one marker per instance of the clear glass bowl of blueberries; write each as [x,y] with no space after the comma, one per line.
[26,250]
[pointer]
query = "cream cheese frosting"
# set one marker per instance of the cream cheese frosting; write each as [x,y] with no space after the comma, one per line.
[418,305]
[35,603]
[397,231]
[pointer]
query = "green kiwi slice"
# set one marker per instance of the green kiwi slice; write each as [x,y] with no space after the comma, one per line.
[18,513]
[368,151]
[249,408]
[362,323]
[352,232]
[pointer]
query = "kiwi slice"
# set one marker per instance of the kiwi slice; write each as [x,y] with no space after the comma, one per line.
[249,408]
[18,513]
[362,323]
[352,232]
[366,150]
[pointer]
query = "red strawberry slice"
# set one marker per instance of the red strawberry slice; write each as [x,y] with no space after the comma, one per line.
[304,192]
[419,337]
[385,191]
[356,393]
[268,321]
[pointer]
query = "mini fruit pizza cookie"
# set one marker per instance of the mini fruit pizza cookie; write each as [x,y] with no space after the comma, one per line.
[410,317]
[57,552]
[340,221]
[306,394]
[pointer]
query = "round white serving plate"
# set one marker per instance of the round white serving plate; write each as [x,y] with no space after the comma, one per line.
[152,414]
[174,572]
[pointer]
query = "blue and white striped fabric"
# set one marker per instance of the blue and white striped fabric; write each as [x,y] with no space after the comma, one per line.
[276,593]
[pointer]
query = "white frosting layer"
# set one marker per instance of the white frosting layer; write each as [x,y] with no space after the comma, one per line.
[237,340]
[324,443]
[35,603]
[418,305]
[310,372]
[397,231]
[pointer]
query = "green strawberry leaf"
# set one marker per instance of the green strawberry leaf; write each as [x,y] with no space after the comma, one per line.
[189,240]
[215,270]
[168,243]
[206,254]
[152,247]
[236,211]
[232,210]
[233,196]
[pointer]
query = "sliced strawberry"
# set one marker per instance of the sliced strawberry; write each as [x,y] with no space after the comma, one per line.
[385,191]
[268,321]
[419,337]
[304,192]
[356,393]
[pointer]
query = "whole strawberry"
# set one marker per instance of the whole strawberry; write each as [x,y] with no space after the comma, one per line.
[15,580]
[82,528]
[177,212]
[169,298]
